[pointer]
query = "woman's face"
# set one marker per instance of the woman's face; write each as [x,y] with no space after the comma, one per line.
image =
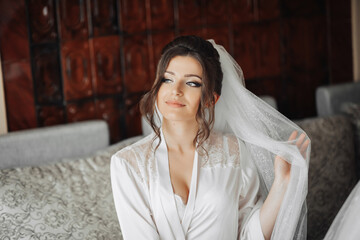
[179,95]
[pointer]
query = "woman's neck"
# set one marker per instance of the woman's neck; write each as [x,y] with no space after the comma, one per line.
[180,135]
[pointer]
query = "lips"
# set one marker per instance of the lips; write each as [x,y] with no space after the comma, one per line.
[175,104]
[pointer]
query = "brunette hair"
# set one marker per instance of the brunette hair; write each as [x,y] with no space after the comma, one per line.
[204,52]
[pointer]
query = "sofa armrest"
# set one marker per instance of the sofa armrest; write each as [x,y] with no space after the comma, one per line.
[49,144]
[329,99]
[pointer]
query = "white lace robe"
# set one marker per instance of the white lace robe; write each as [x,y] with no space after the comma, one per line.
[223,202]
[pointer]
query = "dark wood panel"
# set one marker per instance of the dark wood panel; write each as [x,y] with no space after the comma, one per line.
[268,9]
[216,12]
[51,115]
[257,49]
[80,111]
[305,44]
[137,64]
[304,8]
[73,19]
[221,35]
[109,110]
[162,14]
[243,11]
[46,72]
[133,116]
[19,96]
[14,45]
[76,70]
[190,13]
[42,20]
[340,41]
[105,54]
[158,43]
[104,17]
[133,15]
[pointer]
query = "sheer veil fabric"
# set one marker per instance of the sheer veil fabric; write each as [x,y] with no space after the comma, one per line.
[265,132]
[347,221]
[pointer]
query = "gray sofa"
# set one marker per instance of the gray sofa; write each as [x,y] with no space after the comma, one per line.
[55,182]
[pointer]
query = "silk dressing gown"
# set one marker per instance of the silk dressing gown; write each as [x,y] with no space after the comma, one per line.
[223,202]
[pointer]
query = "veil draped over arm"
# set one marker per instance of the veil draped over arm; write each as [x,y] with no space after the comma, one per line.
[265,132]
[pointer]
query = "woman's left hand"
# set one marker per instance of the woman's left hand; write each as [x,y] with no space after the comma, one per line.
[281,166]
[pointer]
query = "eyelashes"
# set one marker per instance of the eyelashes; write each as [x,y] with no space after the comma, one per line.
[189,83]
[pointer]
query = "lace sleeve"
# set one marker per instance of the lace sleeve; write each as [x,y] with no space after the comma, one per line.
[131,201]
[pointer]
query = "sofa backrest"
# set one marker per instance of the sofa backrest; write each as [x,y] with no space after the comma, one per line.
[330,99]
[49,144]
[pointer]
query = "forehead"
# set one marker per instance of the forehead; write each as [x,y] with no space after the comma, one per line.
[183,65]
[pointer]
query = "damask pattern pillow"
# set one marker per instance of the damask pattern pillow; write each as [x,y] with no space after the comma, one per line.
[332,173]
[68,200]
[352,110]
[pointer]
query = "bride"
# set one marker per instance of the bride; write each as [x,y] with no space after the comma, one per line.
[220,163]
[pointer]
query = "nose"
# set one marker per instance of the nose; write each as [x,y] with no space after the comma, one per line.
[177,89]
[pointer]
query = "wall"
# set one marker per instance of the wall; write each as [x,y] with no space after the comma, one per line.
[3,120]
[66,60]
[355,23]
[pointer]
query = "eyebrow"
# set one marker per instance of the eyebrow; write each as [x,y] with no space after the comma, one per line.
[186,75]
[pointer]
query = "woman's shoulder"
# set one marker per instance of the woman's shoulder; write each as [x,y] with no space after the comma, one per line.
[135,153]
[222,149]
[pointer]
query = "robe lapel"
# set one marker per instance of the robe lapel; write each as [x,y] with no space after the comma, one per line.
[166,192]
[189,210]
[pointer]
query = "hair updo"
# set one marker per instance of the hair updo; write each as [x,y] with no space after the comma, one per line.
[204,52]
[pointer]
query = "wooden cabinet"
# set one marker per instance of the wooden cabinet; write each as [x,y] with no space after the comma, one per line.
[76,70]
[72,60]
[137,64]
[133,15]
[105,56]
[73,19]
[42,20]
[46,72]
[19,96]
[104,17]
[51,115]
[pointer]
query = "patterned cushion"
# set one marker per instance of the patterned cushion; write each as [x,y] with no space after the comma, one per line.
[353,112]
[331,172]
[67,200]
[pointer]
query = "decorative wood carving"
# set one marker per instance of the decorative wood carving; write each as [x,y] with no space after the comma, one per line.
[137,64]
[104,17]
[46,74]
[76,70]
[109,110]
[80,111]
[73,19]
[51,115]
[105,55]
[42,20]
[133,15]
[19,96]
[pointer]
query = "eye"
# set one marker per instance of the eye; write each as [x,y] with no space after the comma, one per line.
[166,80]
[194,84]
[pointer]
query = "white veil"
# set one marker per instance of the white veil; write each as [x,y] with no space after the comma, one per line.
[265,132]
